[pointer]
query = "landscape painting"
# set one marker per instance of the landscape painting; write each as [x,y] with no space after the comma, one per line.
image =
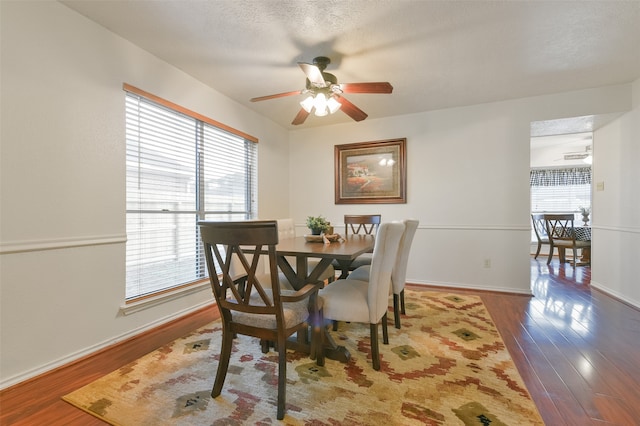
[370,172]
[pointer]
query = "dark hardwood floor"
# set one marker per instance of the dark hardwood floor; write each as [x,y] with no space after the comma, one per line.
[577,349]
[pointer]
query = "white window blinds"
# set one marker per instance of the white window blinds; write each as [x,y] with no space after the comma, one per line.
[180,169]
[560,190]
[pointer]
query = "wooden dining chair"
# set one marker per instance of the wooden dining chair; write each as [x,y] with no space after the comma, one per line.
[540,229]
[367,301]
[399,274]
[562,234]
[364,224]
[249,307]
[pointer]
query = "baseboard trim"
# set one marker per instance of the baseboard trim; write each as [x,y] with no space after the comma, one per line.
[615,295]
[449,285]
[161,327]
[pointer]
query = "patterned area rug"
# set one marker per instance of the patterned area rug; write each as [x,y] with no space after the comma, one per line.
[446,366]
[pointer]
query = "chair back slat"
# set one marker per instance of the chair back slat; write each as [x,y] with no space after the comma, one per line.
[560,227]
[237,248]
[362,223]
[539,226]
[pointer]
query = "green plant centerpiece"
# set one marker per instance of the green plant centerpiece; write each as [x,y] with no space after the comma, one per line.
[317,224]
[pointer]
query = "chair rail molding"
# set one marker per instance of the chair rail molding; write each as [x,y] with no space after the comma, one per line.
[60,243]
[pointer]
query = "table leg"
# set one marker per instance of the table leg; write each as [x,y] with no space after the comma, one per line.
[332,350]
[344,267]
[301,277]
[298,279]
[586,255]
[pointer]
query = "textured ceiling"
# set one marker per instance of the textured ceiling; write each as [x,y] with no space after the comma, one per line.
[436,54]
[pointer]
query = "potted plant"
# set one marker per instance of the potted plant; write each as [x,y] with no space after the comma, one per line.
[317,224]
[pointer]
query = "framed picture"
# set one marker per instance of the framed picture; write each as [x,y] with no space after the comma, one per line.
[371,172]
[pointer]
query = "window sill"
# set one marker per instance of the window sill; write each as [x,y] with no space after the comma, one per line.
[140,305]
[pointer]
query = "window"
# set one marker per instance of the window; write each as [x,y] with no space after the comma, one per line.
[563,190]
[181,168]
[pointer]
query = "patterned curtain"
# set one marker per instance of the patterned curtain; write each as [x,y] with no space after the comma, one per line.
[560,177]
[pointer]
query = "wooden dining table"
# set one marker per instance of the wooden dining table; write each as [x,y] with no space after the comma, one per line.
[345,252]
[582,233]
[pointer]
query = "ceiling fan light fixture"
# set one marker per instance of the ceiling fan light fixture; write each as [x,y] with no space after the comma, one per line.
[324,95]
[307,103]
[333,105]
[320,104]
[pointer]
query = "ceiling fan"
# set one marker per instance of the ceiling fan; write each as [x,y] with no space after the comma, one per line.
[325,94]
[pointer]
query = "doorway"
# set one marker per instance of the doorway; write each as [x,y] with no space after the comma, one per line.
[561,154]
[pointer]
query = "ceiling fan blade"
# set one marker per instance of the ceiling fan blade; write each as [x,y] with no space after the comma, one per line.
[313,73]
[378,87]
[302,115]
[277,95]
[350,109]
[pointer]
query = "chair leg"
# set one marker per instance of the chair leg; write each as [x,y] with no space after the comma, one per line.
[396,310]
[550,255]
[402,310]
[385,330]
[318,337]
[538,251]
[223,364]
[375,352]
[335,325]
[282,376]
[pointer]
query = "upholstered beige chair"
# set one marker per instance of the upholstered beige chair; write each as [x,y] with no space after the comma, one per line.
[367,301]
[399,275]
[248,306]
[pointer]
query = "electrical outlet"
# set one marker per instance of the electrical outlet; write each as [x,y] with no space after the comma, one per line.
[487,263]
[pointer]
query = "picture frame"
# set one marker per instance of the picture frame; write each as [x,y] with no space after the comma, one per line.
[371,172]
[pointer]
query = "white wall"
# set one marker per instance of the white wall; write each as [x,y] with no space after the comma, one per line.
[62,222]
[468,183]
[616,209]
[62,278]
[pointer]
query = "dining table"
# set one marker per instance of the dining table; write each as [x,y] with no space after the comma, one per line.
[582,233]
[345,250]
